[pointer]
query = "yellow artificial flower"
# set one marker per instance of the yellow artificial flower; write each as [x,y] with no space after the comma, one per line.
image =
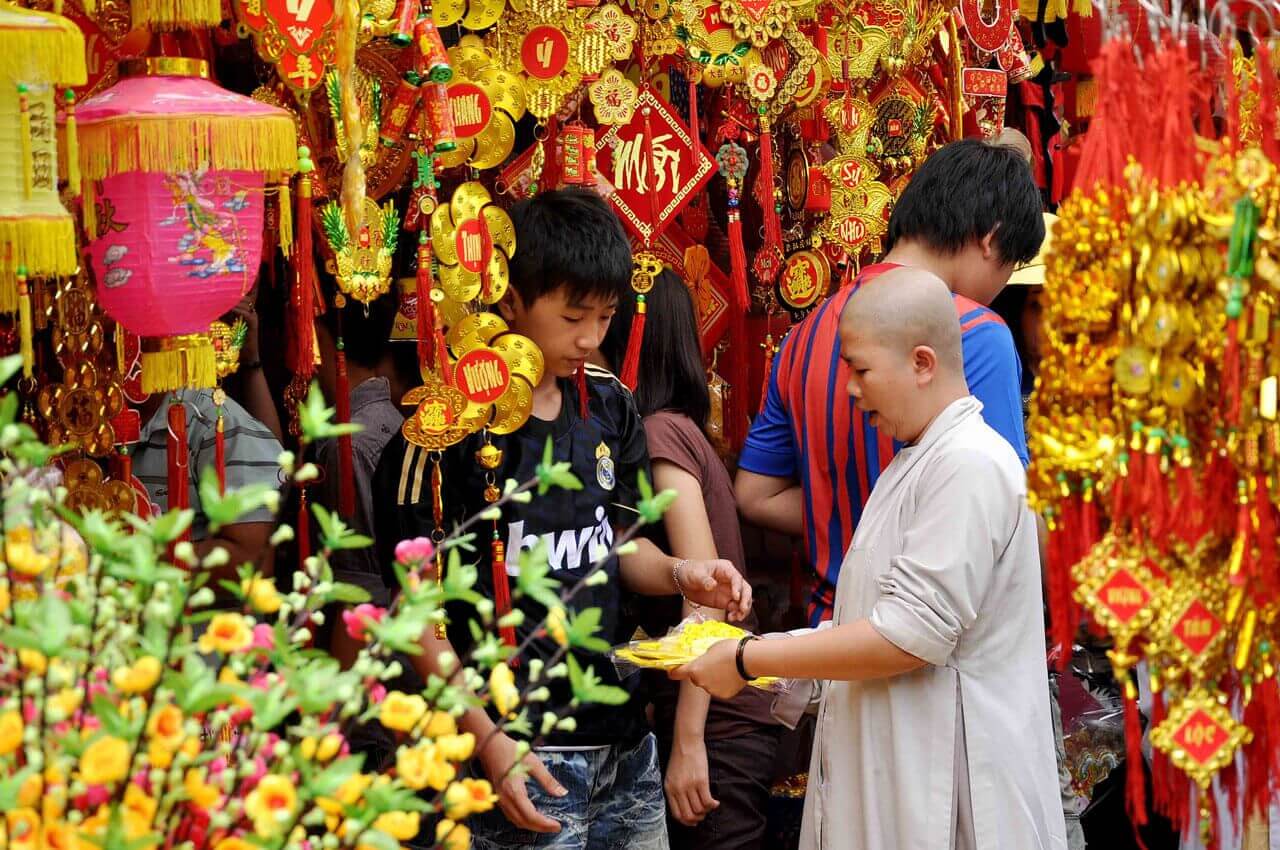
[191,747]
[159,756]
[227,633]
[401,711]
[456,748]
[58,835]
[348,793]
[232,843]
[199,792]
[262,595]
[139,811]
[93,827]
[105,760]
[557,625]
[439,723]
[31,791]
[139,678]
[399,825]
[23,829]
[503,690]
[468,797]
[33,660]
[10,732]
[165,727]
[21,553]
[424,767]
[4,596]
[67,700]
[329,746]
[271,804]
[452,836]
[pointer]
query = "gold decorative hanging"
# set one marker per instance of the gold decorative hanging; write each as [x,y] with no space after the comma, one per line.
[473,239]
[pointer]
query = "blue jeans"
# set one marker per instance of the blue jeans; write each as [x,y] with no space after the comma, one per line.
[615,802]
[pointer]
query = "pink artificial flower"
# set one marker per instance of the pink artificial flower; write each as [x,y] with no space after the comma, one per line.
[30,714]
[94,796]
[264,637]
[415,552]
[358,620]
[377,693]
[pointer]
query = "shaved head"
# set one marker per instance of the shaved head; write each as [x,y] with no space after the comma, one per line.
[905,308]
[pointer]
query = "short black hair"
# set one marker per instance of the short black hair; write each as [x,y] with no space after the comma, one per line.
[365,331]
[671,374]
[570,239]
[965,190]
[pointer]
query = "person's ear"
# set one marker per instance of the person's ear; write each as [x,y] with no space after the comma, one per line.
[509,304]
[988,244]
[924,363]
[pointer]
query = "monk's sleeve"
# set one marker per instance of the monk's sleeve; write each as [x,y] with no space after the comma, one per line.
[934,589]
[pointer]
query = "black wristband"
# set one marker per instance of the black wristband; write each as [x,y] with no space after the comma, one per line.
[742,645]
[251,365]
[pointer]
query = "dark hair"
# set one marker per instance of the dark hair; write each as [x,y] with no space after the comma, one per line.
[366,332]
[671,374]
[964,191]
[569,238]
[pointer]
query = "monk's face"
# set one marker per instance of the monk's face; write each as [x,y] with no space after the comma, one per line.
[884,381]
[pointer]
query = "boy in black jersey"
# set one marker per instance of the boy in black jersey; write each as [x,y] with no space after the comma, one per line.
[598,785]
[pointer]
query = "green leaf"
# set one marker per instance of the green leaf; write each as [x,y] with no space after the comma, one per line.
[9,366]
[534,578]
[52,624]
[582,628]
[328,781]
[113,721]
[170,526]
[550,473]
[348,593]
[458,577]
[8,408]
[586,686]
[315,418]
[651,507]
[11,786]
[223,509]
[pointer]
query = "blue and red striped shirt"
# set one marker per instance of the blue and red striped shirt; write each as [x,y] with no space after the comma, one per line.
[810,430]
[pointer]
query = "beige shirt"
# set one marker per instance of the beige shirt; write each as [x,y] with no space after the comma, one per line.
[945,565]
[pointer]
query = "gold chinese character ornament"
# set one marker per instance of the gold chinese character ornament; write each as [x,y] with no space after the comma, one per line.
[486,101]
[473,240]
[362,263]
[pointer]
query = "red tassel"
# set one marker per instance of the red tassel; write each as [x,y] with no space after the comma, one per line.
[1266,110]
[346,484]
[426,307]
[1264,513]
[584,408]
[502,589]
[303,298]
[1231,381]
[631,362]
[220,454]
[735,413]
[1090,524]
[768,369]
[1135,771]
[767,272]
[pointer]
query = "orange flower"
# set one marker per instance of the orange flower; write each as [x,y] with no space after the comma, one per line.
[165,727]
[439,723]
[468,797]
[10,732]
[262,595]
[271,804]
[234,844]
[105,760]
[58,836]
[139,811]
[227,633]
[199,792]
[139,678]
[401,711]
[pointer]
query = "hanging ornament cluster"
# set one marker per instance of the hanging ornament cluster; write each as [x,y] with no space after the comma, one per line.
[1154,427]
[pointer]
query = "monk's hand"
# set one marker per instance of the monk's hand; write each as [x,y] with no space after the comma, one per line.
[715,584]
[716,671]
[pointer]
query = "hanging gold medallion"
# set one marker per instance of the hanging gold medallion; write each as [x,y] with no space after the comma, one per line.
[759,21]
[471,14]
[617,29]
[227,342]
[805,278]
[486,101]
[362,264]
[473,239]
[443,417]
[545,43]
[614,98]
[496,370]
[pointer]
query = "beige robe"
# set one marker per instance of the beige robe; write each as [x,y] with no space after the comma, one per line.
[945,565]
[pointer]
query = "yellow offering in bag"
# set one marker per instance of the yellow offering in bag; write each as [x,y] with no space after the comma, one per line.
[684,643]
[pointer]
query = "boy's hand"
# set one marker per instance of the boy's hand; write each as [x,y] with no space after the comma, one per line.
[715,671]
[688,783]
[513,797]
[715,584]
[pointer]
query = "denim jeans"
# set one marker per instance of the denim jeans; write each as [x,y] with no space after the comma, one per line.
[615,802]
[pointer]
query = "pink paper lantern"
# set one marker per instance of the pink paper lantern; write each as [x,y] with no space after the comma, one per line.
[176,171]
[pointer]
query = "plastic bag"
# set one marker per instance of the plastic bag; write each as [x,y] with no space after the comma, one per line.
[685,642]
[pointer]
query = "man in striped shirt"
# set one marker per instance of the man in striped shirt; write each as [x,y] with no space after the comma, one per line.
[970,215]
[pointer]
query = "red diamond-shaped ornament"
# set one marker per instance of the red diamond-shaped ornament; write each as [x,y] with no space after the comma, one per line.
[1197,627]
[1123,595]
[1201,736]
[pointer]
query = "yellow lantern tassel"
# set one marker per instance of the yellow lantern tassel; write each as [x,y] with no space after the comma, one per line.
[24,135]
[89,208]
[285,206]
[73,145]
[25,329]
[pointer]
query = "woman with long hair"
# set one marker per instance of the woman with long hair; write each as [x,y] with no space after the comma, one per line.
[718,755]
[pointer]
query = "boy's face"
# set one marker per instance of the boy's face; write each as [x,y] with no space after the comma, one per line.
[568,330]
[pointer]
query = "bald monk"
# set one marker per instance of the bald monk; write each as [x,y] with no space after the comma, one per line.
[933,724]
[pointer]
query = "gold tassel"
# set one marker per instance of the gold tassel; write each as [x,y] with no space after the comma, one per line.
[176,14]
[72,145]
[353,177]
[285,207]
[24,138]
[25,329]
[181,362]
[45,247]
[121,366]
[188,143]
[89,207]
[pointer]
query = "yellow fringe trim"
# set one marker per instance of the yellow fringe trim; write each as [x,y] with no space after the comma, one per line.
[176,14]
[44,246]
[72,155]
[172,143]
[40,47]
[183,362]
[25,330]
[89,208]
[8,293]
